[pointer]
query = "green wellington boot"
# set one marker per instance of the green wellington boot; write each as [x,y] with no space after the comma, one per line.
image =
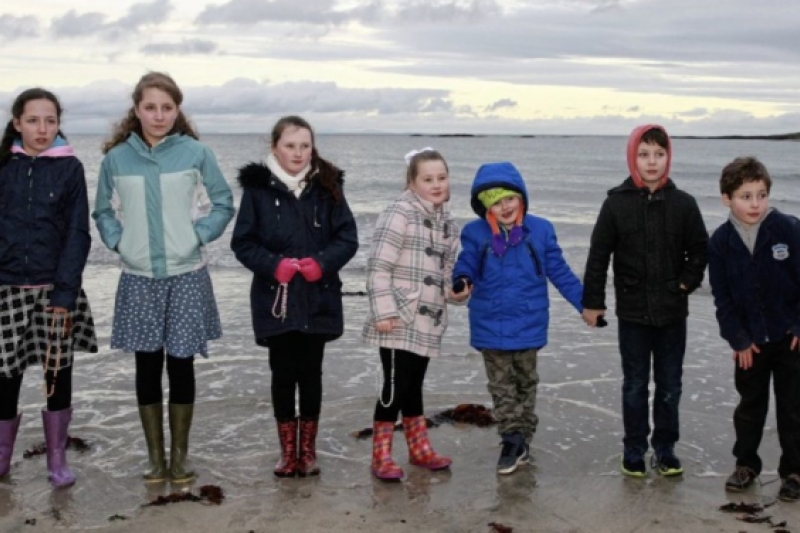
[152,417]
[180,422]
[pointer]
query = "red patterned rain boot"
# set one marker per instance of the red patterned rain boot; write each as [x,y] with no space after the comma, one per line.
[420,452]
[307,463]
[383,467]
[287,433]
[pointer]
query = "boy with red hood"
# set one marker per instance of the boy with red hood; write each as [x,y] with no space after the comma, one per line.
[660,246]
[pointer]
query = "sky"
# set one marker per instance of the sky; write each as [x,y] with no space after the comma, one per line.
[546,67]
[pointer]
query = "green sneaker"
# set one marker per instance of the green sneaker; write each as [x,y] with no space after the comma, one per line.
[666,463]
[633,464]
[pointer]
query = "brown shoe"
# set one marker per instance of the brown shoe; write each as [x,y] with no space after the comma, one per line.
[741,478]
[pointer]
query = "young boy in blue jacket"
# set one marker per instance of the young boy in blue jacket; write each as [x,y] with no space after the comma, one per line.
[754,268]
[507,258]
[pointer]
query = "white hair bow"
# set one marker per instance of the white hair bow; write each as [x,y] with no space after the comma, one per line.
[412,153]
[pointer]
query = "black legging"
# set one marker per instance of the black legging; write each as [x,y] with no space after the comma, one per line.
[409,373]
[150,368]
[61,398]
[296,362]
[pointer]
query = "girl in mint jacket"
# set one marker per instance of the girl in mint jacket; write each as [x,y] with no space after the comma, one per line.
[161,198]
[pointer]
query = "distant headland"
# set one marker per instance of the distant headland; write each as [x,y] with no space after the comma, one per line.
[776,137]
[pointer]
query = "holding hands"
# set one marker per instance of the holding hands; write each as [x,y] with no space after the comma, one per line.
[461,290]
[594,318]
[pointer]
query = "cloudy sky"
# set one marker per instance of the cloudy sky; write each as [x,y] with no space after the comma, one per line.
[436,66]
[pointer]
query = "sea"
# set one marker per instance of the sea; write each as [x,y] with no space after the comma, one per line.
[234,442]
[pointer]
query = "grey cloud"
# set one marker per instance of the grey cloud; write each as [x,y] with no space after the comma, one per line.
[144,14]
[184,47]
[500,104]
[254,11]
[634,109]
[448,11]
[335,12]
[696,112]
[13,27]
[72,25]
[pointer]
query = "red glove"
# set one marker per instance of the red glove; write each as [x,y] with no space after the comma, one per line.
[286,270]
[310,269]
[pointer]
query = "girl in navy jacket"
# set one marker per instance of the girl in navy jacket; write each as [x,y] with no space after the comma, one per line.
[44,244]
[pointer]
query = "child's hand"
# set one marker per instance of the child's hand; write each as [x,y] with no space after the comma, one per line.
[461,290]
[795,343]
[385,326]
[286,270]
[310,269]
[591,316]
[745,357]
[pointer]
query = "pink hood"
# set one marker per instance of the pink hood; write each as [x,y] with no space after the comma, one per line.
[634,141]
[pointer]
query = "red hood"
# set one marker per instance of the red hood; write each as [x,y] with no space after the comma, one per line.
[633,148]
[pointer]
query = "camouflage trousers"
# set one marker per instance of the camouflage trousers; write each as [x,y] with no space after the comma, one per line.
[512,383]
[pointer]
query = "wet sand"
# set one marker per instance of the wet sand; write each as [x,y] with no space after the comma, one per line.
[573,485]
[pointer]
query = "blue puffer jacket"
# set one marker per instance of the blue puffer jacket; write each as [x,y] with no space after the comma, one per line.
[508,309]
[273,224]
[44,227]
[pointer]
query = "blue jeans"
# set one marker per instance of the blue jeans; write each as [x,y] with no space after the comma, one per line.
[666,345]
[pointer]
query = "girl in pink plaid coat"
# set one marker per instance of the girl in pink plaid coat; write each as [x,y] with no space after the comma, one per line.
[410,263]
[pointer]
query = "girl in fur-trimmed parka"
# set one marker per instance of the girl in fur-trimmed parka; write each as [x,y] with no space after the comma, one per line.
[44,244]
[408,283]
[295,232]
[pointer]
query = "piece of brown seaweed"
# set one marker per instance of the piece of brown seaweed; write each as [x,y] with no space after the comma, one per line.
[208,493]
[497,527]
[467,413]
[73,443]
[212,493]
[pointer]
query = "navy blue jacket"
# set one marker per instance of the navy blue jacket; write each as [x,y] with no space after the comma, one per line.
[757,295]
[509,305]
[273,224]
[44,223]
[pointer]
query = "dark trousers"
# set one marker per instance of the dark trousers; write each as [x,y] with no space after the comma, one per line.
[664,346]
[60,400]
[149,372]
[775,361]
[408,371]
[295,359]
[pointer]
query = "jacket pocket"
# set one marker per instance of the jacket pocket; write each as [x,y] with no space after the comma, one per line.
[407,302]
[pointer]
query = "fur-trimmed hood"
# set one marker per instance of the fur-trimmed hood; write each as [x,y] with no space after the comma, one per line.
[259,176]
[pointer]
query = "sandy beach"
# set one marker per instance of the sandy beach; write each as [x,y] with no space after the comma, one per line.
[574,484]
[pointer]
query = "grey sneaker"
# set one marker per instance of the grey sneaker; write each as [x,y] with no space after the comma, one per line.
[741,478]
[513,454]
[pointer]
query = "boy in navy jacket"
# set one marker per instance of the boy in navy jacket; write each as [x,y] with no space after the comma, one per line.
[754,269]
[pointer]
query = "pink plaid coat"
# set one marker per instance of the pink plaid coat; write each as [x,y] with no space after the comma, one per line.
[410,264]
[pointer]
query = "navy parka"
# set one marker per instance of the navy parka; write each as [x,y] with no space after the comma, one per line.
[274,224]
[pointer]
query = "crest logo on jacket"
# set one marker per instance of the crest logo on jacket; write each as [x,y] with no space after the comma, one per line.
[780,251]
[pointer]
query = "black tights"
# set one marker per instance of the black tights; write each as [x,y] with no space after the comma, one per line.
[409,374]
[296,362]
[149,370]
[60,400]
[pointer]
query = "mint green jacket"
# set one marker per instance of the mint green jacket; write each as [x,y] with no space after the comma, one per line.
[158,207]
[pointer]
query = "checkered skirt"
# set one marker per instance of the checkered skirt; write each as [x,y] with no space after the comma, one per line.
[27,330]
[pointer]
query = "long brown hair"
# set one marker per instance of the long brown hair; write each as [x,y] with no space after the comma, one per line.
[327,173]
[17,109]
[130,123]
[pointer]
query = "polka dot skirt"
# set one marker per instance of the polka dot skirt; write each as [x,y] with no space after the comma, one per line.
[178,313]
